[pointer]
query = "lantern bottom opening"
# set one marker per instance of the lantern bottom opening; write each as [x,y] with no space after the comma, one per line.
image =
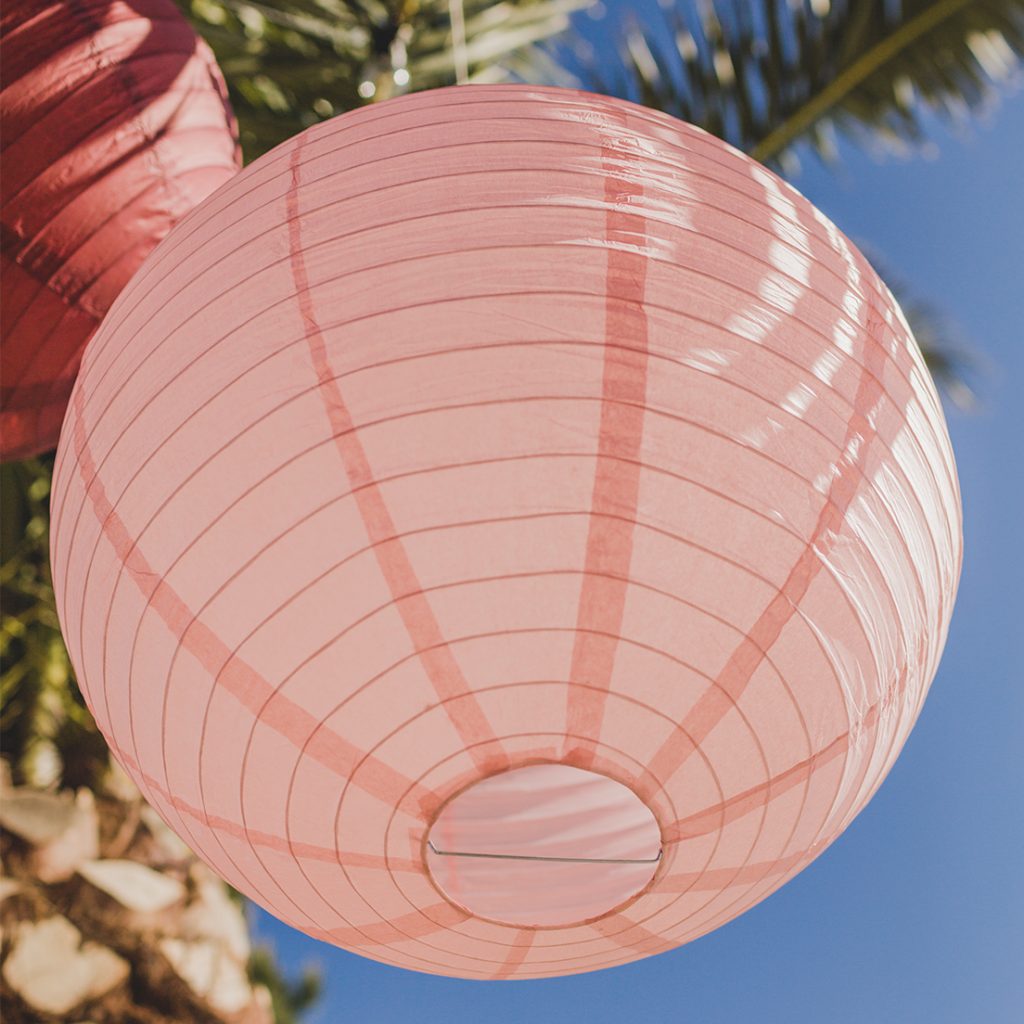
[543,845]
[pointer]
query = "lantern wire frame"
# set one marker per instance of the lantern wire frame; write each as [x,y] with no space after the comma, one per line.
[705,526]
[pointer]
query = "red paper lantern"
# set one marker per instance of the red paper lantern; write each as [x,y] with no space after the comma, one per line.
[115,124]
[506,531]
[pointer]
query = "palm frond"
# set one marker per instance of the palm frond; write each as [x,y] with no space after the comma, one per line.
[291,63]
[765,76]
[954,364]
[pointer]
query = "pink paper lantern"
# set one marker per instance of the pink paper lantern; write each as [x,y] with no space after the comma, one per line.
[506,532]
[115,124]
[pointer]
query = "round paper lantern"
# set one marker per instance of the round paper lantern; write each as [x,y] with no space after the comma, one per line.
[506,532]
[115,124]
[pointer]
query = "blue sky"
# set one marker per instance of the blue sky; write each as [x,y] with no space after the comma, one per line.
[916,914]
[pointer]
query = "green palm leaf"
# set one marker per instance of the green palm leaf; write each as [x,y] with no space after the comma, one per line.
[291,63]
[766,76]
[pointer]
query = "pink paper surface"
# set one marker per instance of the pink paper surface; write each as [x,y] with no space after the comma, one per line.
[491,427]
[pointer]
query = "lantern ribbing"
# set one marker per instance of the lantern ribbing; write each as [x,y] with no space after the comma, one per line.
[515,475]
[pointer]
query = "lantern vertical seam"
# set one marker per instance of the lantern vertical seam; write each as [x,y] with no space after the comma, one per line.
[609,545]
[236,676]
[634,936]
[521,946]
[460,703]
[761,796]
[860,435]
[745,659]
[872,367]
[742,803]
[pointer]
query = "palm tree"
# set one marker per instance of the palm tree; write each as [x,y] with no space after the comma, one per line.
[770,76]
[291,63]
[158,940]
